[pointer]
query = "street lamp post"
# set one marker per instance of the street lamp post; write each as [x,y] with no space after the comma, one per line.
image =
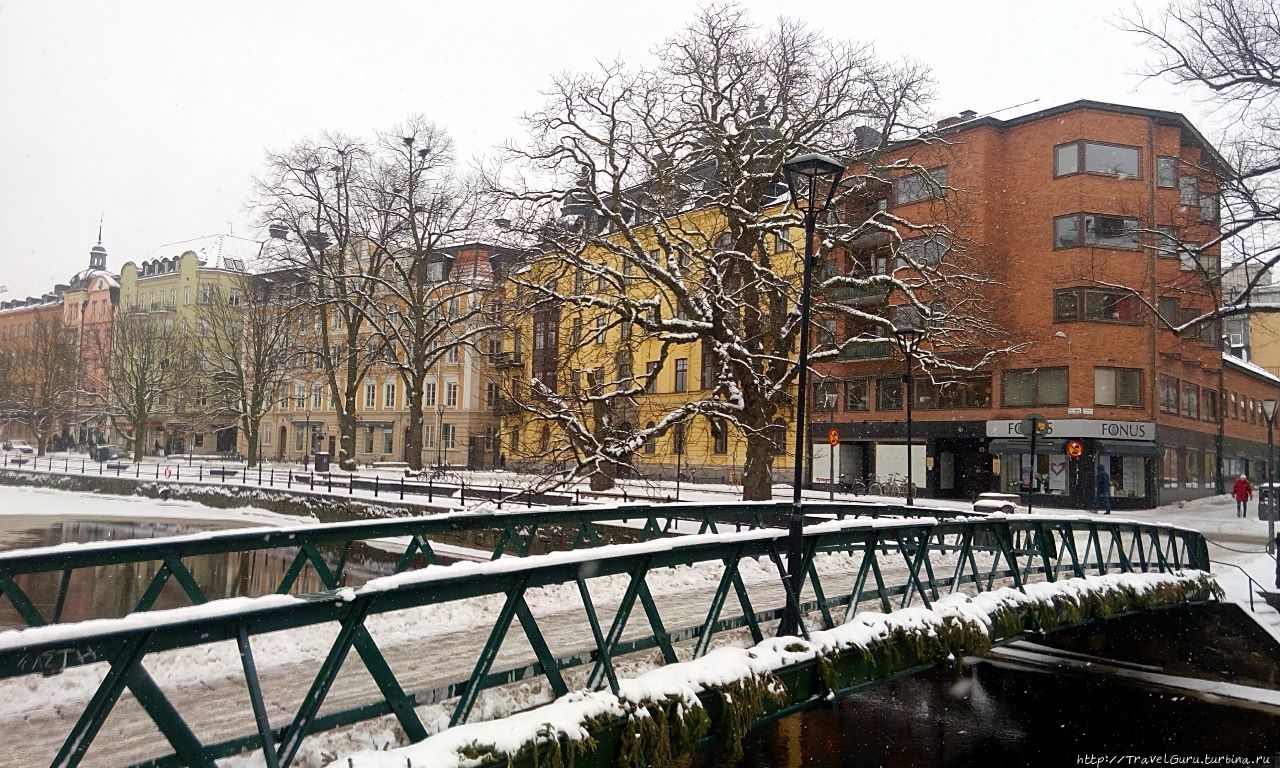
[908,336]
[1269,410]
[812,180]
[439,435]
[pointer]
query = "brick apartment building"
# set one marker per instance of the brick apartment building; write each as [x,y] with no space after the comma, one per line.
[1059,205]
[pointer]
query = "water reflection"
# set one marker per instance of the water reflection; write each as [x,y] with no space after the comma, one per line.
[115,590]
[1002,717]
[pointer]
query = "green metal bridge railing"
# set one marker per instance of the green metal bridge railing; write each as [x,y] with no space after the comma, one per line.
[898,562]
[328,547]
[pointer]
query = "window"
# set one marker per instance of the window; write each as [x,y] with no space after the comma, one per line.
[389,395]
[491,394]
[577,331]
[451,394]
[186,293]
[1188,190]
[651,378]
[388,440]
[1209,208]
[708,367]
[650,443]
[297,439]
[855,395]
[1168,394]
[233,297]
[682,375]
[1209,404]
[1192,474]
[1190,400]
[452,355]
[202,397]
[429,393]
[924,250]
[368,440]
[719,435]
[429,436]
[921,185]
[1167,241]
[889,394]
[266,437]
[1083,304]
[370,396]
[315,397]
[1091,157]
[448,434]
[1042,386]
[1117,386]
[1097,230]
[782,241]
[967,392]
[1167,172]
[601,322]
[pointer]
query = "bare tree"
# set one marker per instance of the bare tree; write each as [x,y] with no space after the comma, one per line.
[38,376]
[247,339]
[150,367]
[662,188]
[314,191]
[423,303]
[1227,51]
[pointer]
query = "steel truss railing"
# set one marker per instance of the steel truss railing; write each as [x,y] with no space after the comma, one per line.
[979,554]
[327,547]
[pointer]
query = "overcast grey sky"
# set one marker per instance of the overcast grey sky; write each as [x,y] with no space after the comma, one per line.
[158,113]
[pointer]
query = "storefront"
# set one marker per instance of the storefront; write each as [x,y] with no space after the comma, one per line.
[1052,478]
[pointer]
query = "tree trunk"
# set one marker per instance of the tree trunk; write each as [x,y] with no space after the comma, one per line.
[413,442]
[603,478]
[757,475]
[347,435]
[251,437]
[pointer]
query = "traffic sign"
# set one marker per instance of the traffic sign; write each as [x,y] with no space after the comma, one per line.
[1033,423]
[1075,449]
[833,437]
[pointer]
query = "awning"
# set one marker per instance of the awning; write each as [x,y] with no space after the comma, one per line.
[1016,445]
[1126,448]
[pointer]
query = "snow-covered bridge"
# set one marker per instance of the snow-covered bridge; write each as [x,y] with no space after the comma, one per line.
[437,646]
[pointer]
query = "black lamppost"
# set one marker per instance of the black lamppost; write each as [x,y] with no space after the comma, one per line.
[908,335]
[1269,410]
[812,180]
[439,435]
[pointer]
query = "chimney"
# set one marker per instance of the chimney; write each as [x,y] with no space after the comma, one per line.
[278,231]
[947,122]
[968,114]
[866,137]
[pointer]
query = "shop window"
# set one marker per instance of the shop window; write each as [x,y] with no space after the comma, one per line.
[368,440]
[1191,475]
[1042,386]
[1117,386]
[1169,468]
[388,440]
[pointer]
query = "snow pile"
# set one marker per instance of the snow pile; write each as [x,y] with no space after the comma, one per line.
[955,623]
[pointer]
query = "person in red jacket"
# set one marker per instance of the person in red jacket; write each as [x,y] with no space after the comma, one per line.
[1242,492]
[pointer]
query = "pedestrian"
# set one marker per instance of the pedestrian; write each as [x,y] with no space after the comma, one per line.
[1242,492]
[1102,494]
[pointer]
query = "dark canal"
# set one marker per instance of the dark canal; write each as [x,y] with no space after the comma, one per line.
[1003,717]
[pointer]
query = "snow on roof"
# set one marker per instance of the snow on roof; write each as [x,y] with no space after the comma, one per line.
[215,252]
[1250,368]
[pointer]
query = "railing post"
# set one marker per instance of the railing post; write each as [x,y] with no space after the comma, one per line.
[375,486]
[528,498]
[431,495]
[329,477]
[351,484]
[577,496]
[499,495]
[137,470]
[259,472]
[201,471]
[157,471]
[462,492]
[402,487]
[179,472]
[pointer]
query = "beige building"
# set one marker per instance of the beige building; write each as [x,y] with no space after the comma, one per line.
[460,398]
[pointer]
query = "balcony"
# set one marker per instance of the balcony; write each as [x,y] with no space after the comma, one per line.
[507,360]
[876,351]
[505,407]
[857,294]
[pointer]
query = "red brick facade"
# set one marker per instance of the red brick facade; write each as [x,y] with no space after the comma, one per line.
[1056,207]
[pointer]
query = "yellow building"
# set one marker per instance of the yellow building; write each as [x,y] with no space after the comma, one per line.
[170,285]
[566,333]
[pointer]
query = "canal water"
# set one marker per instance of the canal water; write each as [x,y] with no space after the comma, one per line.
[112,591]
[996,716]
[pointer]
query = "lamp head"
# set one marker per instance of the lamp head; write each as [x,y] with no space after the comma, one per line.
[1269,409]
[812,180]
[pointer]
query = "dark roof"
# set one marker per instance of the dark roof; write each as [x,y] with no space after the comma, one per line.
[1159,115]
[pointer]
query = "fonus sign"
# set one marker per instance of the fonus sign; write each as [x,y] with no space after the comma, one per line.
[1093,428]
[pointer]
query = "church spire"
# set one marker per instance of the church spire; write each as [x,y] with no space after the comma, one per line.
[98,254]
